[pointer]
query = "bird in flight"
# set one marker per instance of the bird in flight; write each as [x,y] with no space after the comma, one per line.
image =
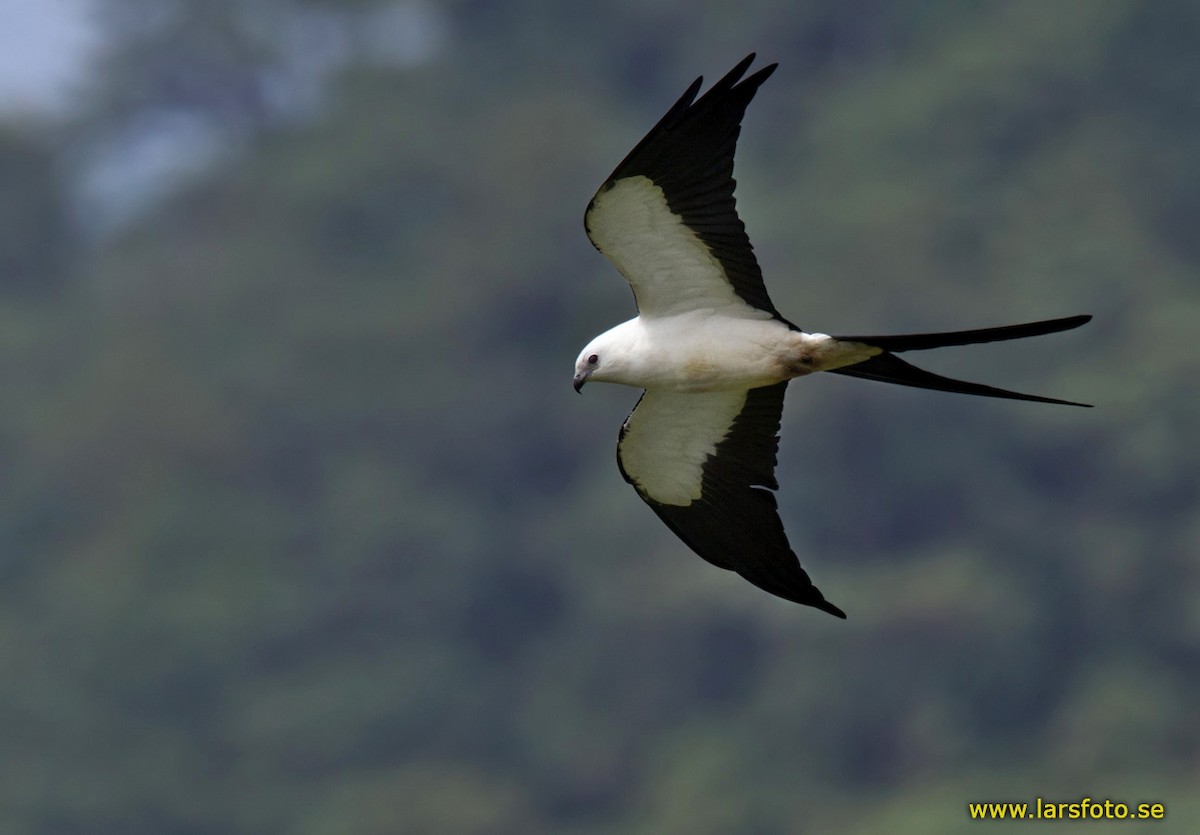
[711,351]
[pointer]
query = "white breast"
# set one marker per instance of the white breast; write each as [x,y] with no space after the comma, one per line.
[704,351]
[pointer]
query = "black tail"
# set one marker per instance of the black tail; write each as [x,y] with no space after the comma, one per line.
[889,368]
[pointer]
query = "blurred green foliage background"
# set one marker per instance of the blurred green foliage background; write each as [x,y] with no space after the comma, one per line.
[304,530]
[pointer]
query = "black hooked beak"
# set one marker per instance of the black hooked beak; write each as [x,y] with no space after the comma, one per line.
[580,379]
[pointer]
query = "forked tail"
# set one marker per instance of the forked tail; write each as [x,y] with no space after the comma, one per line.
[889,368]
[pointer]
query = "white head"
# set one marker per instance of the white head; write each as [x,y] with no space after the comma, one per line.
[591,362]
[605,359]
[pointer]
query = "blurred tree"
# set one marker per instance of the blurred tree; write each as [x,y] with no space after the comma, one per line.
[36,235]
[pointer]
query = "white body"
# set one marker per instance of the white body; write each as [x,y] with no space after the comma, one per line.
[709,351]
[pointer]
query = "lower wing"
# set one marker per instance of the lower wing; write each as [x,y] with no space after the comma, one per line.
[705,463]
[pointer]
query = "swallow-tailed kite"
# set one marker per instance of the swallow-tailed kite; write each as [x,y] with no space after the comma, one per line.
[711,351]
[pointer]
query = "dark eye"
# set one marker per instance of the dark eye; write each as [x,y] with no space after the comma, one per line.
[593,359]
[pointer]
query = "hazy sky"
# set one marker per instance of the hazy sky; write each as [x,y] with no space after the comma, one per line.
[44,46]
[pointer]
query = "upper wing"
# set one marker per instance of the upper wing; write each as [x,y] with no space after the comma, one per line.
[666,216]
[705,463]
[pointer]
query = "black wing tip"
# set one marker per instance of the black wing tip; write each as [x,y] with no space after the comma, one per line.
[729,83]
[806,595]
[733,78]
[731,88]
[730,78]
[685,101]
